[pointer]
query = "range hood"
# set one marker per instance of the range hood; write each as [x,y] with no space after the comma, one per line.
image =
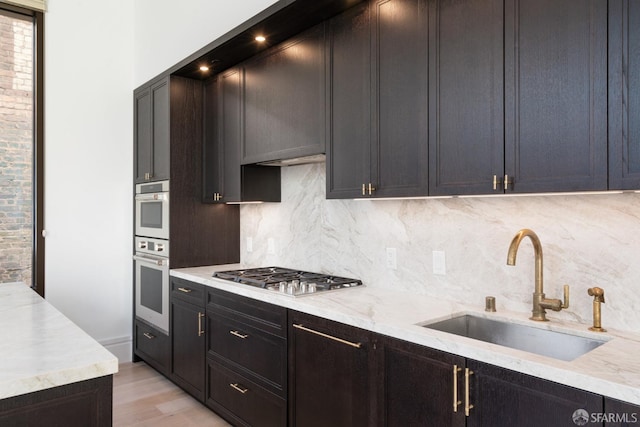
[315,158]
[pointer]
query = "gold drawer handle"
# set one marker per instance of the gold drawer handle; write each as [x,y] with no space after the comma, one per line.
[200,330]
[456,402]
[185,290]
[238,334]
[467,405]
[340,340]
[237,387]
[148,335]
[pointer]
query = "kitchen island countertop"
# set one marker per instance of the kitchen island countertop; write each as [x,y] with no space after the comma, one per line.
[612,370]
[41,348]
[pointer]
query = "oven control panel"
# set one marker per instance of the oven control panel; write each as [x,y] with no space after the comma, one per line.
[152,246]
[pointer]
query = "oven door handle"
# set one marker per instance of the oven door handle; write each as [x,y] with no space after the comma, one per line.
[151,197]
[151,259]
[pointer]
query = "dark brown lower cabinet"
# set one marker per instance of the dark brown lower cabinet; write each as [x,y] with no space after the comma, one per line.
[82,404]
[425,387]
[620,414]
[416,386]
[188,350]
[246,360]
[241,401]
[330,382]
[501,397]
[153,346]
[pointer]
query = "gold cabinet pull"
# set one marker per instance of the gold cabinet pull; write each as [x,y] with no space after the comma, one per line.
[371,189]
[200,330]
[507,182]
[238,334]
[467,405]
[238,387]
[185,290]
[148,335]
[340,340]
[364,189]
[456,402]
[496,182]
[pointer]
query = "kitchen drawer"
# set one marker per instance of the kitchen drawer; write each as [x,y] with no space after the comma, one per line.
[243,401]
[190,292]
[241,346]
[261,315]
[152,346]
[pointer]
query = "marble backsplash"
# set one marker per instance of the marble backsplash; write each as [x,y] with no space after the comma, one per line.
[588,240]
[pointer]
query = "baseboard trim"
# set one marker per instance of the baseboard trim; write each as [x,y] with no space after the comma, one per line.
[120,347]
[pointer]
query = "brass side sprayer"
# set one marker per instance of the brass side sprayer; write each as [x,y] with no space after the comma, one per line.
[598,298]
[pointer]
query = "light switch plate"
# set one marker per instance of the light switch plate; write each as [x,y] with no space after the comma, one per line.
[439,263]
[392,259]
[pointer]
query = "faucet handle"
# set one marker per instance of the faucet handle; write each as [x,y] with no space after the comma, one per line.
[565,303]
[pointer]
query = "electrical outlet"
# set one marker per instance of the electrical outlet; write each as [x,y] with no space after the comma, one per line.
[439,263]
[249,244]
[271,246]
[392,259]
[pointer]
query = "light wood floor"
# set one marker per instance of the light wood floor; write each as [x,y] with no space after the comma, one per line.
[143,397]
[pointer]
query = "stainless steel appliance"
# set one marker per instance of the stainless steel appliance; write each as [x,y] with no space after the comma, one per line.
[152,210]
[152,281]
[288,281]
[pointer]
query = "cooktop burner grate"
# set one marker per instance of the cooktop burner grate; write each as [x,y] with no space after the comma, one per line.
[288,281]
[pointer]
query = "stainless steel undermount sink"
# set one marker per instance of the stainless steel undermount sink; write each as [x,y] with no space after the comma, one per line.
[544,342]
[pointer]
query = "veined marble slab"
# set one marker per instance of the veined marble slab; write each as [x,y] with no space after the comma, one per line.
[612,370]
[40,348]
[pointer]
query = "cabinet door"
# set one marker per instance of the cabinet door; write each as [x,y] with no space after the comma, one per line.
[230,133]
[143,134]
[153,346]
[501,397]
[624,414]
[284,100]
[556,95]
[212,152]
[160,142]
[624,95]
[417,386]
[348,152]
[188,347]
[466,96]
[400,141]
[328,374]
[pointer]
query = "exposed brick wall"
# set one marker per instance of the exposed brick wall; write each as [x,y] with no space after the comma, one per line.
[16,149]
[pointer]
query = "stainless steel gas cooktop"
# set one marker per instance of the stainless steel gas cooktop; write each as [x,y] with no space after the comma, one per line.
[288,281]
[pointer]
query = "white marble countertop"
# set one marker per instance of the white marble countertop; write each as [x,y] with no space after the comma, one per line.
[612,370]
[40,348]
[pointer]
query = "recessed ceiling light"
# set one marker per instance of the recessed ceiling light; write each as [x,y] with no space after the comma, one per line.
[260,38]
[204,68]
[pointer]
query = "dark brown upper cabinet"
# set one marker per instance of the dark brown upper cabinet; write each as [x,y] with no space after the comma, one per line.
[378,145]
[539,127]
[224,179]
[555,95]
[151,137]
[466,95]
[284,100]
[624,95]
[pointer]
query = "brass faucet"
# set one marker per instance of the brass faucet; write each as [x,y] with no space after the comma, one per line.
[598,298]
[540,303]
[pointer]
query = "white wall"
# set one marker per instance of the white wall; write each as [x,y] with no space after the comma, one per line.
[96,53]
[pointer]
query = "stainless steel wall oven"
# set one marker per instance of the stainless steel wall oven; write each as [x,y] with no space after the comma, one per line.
[151,263]
[152,210]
